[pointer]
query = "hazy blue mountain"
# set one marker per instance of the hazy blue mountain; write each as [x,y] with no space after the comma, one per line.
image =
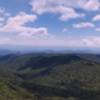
[47,49]
[5,52]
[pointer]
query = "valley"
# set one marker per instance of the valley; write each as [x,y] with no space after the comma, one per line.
[50,76]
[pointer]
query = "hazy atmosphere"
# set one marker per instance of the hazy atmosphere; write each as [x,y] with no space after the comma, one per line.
[50,23]
[49,49]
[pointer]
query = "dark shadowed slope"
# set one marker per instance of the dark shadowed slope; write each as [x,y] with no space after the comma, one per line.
[45,76]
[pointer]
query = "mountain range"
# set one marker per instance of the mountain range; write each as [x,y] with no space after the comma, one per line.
[49,76]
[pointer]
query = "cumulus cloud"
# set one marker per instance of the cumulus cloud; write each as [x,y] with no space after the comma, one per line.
[92,41]
[29,32]
[84,25]
[57,7]
[96,18]
[3,15]
[66,9]
[18,21]
[97,29]
[17,24]
[39,36]
[3,12]
[92,5]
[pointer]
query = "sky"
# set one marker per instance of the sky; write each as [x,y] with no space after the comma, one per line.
[51,23]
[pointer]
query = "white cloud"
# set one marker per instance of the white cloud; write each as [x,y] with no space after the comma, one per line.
[2,19]
[69,13]
[39,36]
[90,41]
[19,20]
[92,5]
[29,32]
[65,30]
[3,15]
[97,29]
[84,25]
[3,12]
[4,40]
[66,8]
[96,18]
[57,7]
[83,4]
[17,24]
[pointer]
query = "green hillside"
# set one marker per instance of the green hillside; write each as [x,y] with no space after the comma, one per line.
[49,77]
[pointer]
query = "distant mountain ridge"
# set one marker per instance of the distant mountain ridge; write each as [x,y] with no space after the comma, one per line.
[44,49]
[5,52]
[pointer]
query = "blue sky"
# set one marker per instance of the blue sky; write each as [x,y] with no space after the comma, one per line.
[67,23]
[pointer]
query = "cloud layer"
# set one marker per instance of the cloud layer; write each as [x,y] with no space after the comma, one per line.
[61,7]
[72,13]
[17,24]
[66,9]
[84,25]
